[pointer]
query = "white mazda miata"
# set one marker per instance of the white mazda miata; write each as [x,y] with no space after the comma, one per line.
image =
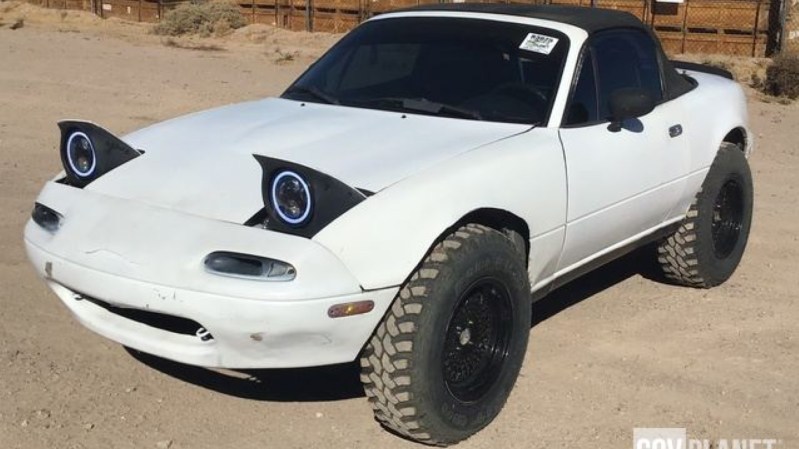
[403,203]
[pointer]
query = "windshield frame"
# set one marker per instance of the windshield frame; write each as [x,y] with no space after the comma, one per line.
[563,41]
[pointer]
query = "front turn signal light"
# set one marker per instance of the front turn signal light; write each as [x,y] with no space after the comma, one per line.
[350,308]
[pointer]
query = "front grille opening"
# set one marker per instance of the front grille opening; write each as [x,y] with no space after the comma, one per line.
[169,323]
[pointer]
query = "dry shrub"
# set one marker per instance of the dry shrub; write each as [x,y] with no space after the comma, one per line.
[188,45]
[203,18]
[782,77]
[283,57]
[222,28]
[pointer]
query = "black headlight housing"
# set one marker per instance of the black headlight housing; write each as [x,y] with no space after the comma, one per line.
[89,151]
[290,198]
[299,200]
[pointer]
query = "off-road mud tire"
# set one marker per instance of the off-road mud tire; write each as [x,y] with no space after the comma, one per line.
[402,365]
[692,256]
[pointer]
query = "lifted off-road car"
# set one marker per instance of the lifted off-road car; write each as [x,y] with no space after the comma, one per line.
[403,203]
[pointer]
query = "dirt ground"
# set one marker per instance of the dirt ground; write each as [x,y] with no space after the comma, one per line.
[608,353]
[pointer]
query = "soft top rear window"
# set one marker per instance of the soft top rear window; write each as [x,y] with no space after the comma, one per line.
[464,68]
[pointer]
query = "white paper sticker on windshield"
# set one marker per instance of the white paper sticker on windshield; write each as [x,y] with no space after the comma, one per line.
[539,43]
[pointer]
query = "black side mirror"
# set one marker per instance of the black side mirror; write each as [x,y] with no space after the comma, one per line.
[627,103]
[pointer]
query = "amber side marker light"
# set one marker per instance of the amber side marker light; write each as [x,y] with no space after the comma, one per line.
[350,308]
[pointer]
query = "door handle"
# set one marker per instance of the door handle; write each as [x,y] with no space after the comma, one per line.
[675,131]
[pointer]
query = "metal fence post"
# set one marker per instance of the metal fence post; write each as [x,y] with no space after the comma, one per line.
[684,30]
[308,15]
[784,4]
[756,28]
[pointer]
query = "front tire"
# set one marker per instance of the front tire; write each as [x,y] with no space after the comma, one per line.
[706,249]
[445,357]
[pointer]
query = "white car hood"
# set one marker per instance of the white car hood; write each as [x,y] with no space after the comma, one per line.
[203,163]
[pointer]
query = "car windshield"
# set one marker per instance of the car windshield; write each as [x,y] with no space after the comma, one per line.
[463,68]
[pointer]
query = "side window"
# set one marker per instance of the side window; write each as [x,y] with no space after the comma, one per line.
[626,59]
[583,106]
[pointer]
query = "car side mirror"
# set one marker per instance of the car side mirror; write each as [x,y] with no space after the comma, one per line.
[628,103]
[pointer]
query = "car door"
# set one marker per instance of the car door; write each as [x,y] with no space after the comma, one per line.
[621,182]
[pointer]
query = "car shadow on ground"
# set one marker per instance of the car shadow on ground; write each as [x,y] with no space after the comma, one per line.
[642,262]
[317,384]
[339,382]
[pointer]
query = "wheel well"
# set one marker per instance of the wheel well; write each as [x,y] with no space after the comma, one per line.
[501,220]
[513,226]
[738,137]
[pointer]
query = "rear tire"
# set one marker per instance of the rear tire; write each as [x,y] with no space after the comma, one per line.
[445,357]
[706,249]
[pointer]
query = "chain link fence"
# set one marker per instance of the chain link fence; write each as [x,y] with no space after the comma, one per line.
[789,36]
[736,27]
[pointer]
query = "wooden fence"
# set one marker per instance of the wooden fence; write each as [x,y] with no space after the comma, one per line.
[737,27]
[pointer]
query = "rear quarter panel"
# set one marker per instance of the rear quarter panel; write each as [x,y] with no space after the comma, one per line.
[710,111]
[713,109]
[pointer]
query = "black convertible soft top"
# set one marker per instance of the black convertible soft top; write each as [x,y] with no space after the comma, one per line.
[589,19]
[592,20]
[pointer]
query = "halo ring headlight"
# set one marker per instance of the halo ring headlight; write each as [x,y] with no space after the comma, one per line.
[81,156]
[291,198]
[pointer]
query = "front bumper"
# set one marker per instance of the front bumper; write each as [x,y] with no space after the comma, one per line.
[112,256]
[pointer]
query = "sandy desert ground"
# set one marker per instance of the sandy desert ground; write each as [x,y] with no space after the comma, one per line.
[608,353]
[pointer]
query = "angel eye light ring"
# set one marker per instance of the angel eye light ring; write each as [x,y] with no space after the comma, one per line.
[276,205]
[68,150]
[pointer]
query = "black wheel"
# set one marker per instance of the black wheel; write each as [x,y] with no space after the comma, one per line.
[443,361]
[710,242]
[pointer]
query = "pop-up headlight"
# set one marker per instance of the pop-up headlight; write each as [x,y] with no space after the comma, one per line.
[88,151]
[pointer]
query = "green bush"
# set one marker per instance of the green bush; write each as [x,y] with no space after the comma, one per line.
[204,18]
[782,77]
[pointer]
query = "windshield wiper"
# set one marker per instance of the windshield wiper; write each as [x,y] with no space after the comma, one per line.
[314,92]
[424,105]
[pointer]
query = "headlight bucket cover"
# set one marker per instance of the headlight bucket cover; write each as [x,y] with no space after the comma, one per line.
[330,198]
[109,151]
